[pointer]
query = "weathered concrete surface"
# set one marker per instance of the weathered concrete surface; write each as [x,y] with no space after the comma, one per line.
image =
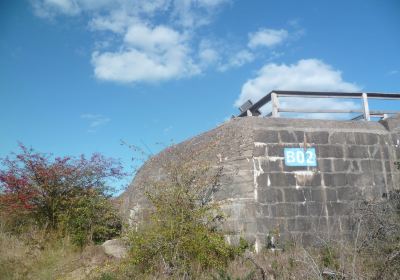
[261,195]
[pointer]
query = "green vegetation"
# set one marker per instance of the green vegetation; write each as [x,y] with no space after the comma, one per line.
[182,232]
[182,229]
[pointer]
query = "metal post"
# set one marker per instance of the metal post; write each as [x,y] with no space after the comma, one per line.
[275,105]
[367,116]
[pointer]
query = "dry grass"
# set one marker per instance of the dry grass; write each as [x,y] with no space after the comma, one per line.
[35,255]
[25,257]
[330,260]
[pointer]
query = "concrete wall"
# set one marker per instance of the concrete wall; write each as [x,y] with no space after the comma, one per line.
[261,195]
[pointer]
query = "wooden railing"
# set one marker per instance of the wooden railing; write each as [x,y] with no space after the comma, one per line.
[250,109]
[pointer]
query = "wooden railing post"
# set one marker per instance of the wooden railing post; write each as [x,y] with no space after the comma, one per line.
[275,105]
[367,116]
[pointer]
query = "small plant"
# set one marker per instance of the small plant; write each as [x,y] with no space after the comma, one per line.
[329,257]
[106,276]
[243,245]
[222,275]
[272,239]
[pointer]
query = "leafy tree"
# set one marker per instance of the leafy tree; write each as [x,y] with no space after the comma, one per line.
[62,193]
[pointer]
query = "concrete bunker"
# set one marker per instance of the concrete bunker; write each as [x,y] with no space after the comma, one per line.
[262,194]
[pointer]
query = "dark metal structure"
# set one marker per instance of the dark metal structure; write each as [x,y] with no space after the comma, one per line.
[250,109]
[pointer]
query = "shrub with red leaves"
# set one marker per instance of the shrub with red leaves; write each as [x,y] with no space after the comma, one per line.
[45,188]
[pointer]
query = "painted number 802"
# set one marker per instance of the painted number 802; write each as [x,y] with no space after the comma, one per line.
[300,157]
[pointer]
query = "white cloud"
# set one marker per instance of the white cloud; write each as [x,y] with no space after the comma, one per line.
[116,21]
[111,13]
[267,38]
[195,13]
[210,52]
[48,8]
[148,55]
[208,56]
[240,58]
[133,66]
[95,121]
[126,13]
[211,3]
[305,75]
[133,45]
[51,8]
[223,55]
[158,39]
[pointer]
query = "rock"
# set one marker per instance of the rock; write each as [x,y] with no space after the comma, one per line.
[114,248]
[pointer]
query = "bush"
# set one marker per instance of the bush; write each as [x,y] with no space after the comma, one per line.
[183,228]
[92,219]
[68,195]
[380,237]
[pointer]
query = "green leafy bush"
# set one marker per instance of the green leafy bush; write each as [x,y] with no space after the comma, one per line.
[183,227]
[92,219]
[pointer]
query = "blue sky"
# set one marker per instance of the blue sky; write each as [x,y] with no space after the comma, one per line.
[77,76]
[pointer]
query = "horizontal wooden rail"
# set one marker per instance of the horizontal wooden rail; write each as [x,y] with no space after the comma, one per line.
[312,111]
[328,111]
